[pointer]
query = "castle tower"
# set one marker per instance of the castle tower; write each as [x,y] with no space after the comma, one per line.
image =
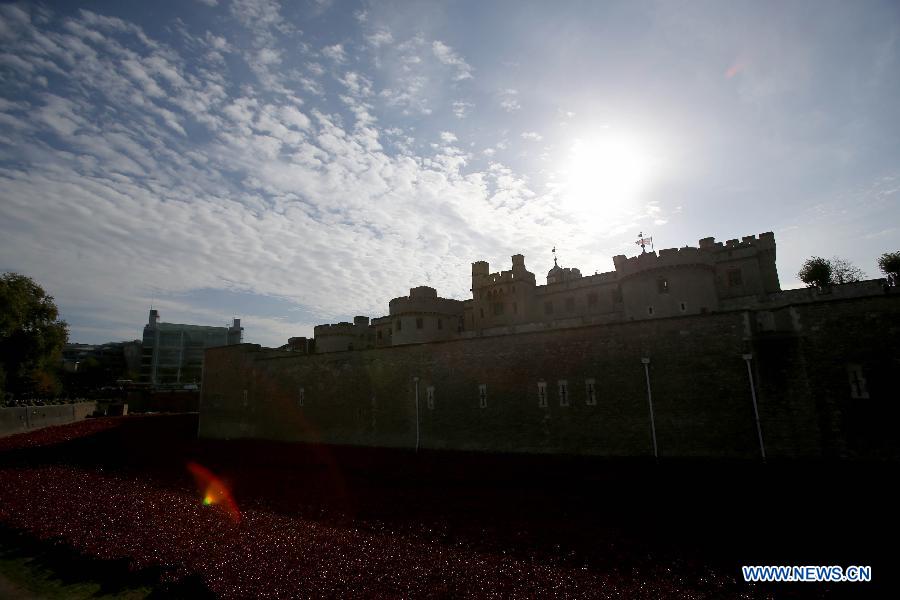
[424,317]
[503,298]
[673,283]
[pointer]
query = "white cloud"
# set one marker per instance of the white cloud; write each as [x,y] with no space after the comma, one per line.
[461,108]
[356,84]
[291,116]
[260,16]
[271,192]
[532,135]
[447,56]
[335,53]
[381,37]
[316,69]
[509,101]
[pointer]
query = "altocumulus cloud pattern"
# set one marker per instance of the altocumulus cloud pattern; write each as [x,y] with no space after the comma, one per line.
[300,163]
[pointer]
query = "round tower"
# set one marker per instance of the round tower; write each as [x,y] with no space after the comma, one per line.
[676,282]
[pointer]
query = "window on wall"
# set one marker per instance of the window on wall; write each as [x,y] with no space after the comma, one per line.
[548,308]
[662,285]
[858,388]
[592,300]
[482,395]
[563,386]
[419,323]
[399,324]
[481,311]
[570,304]
[498,308]
[590,392]
[649,310]
[429,397]
[542,394]
[735,278]
[440,323]
[683,307]
[378,334]
[301,396]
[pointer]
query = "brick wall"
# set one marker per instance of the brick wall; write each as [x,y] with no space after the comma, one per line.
[19,419]
[699,381]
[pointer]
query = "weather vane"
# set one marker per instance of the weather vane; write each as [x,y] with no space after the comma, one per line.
[643,241]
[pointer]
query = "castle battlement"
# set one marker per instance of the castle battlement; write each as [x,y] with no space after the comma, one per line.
[424,300]
[764,241]
[664,283]
[667,258]
[342,328]
[482,277]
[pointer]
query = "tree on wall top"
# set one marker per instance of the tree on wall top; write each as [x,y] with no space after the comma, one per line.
[31,336]
[889,263]
[822,272]
[843,271]
[815,272]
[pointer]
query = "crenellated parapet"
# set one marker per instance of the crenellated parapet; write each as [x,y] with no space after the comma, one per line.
[424,300]
[666,283]
[744,267]
[482,277]
[423,316]
[764,241]
[501,298]
[343,336]
[669,258]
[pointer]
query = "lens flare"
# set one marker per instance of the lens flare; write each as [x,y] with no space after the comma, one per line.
[214,491]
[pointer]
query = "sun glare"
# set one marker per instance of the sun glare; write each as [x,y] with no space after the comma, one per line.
[606,174]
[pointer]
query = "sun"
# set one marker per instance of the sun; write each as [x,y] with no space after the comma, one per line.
[605,174]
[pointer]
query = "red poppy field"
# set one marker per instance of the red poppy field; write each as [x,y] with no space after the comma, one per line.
[258,519]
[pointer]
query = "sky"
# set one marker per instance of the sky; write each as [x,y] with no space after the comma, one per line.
[300,163]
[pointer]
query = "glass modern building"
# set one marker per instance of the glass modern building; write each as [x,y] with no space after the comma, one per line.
[172,353]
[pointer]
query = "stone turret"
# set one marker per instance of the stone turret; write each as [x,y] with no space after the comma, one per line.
[344,336]
[502,298]
[745,267]
[674,282]
[424,317]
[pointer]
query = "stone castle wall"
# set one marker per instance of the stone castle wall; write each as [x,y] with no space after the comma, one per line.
[805,358]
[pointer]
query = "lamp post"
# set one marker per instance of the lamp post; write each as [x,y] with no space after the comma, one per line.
[416,381]
[762,448]
[646,363]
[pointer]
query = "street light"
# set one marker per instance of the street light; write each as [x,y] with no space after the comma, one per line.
[762,448]
[646,363]
[416,381]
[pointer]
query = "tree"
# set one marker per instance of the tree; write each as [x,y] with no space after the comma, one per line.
[815,272]
[843,271]
[822,272]
[31,336]
[889,263]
